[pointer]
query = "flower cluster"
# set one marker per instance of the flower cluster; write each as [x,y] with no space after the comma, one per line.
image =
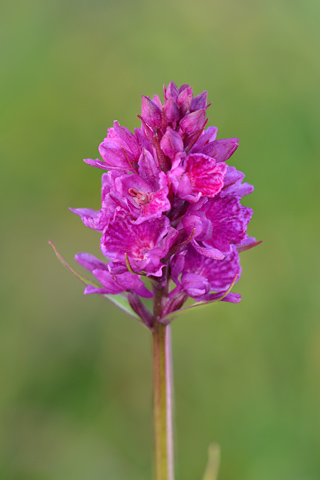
[170,208]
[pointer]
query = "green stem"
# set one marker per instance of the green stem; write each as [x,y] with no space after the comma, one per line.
[163,402]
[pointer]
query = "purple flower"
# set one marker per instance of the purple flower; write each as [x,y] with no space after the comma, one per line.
[229,222]
[119,151]
[202,277]
[199,176]
[139,199]
[112,283]
[170,209]
[144,244]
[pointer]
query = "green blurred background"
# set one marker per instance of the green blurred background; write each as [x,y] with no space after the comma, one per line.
[75,386]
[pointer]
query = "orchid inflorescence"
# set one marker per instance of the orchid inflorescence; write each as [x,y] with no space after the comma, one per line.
[170,211]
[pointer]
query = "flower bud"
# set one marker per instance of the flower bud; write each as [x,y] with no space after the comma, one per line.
[171,111]
[184,99]
[199,102]
[171,143]
[150,112]
[193,122]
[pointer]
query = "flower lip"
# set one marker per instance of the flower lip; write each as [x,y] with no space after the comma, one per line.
[199,176]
